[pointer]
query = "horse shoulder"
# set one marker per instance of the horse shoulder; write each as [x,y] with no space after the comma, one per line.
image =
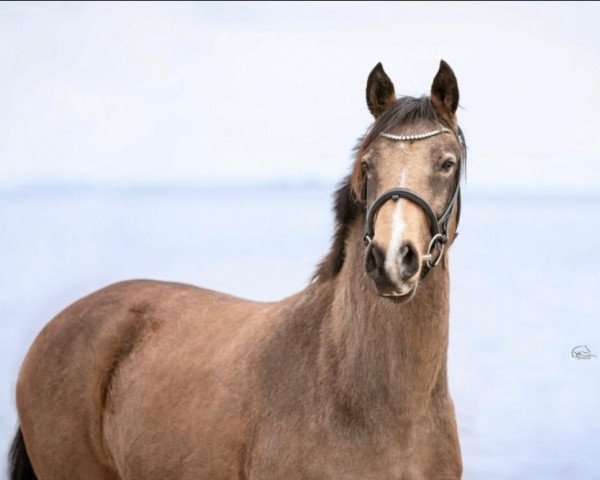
[67,381]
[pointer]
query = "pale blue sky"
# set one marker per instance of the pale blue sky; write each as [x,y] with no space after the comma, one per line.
[230,93]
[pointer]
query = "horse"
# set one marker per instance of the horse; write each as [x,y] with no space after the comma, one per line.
[346,379]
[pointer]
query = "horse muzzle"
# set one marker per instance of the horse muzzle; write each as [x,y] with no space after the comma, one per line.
[396,277]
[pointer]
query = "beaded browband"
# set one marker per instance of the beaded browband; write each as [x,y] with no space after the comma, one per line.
[419,136]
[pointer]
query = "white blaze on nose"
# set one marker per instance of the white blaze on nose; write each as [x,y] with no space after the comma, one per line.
[391,256]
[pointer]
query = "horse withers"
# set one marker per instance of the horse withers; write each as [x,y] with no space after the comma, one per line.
[346,379]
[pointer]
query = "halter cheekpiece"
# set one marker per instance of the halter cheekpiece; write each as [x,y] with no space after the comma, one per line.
[438,226]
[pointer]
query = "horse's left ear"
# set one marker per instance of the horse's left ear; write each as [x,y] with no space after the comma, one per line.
[444,93]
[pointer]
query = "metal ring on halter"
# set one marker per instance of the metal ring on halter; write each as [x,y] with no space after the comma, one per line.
[438,239]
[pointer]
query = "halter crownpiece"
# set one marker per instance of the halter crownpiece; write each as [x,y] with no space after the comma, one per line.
[419,136]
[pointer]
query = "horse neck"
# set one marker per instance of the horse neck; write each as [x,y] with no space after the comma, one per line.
[380,352]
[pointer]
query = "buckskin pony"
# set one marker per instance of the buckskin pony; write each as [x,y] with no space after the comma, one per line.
[346,379]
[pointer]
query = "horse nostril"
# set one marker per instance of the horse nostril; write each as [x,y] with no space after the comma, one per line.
[375,260]
[409,260]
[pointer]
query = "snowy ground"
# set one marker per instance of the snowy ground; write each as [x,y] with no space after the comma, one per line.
[524,293]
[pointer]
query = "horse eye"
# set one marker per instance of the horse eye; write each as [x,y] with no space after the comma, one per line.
[447,165]
[365,167]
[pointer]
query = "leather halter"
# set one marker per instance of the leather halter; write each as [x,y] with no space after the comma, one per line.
[438,226]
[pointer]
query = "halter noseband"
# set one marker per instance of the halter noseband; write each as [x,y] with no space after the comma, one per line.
[439,227]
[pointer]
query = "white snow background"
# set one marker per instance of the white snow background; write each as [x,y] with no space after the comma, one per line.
[201,143]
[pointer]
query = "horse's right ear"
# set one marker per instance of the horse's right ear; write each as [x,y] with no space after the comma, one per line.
[380,91]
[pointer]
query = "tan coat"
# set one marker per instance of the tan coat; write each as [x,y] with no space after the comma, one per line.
[153,380]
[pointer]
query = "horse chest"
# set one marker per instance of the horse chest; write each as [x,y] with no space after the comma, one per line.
[304,455]
[337,465]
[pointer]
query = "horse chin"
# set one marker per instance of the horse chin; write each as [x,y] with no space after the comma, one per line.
[399,295]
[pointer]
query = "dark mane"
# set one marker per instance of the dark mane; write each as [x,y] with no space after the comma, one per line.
[347,207]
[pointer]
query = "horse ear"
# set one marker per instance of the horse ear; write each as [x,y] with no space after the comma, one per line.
[380,91]
[444,92]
